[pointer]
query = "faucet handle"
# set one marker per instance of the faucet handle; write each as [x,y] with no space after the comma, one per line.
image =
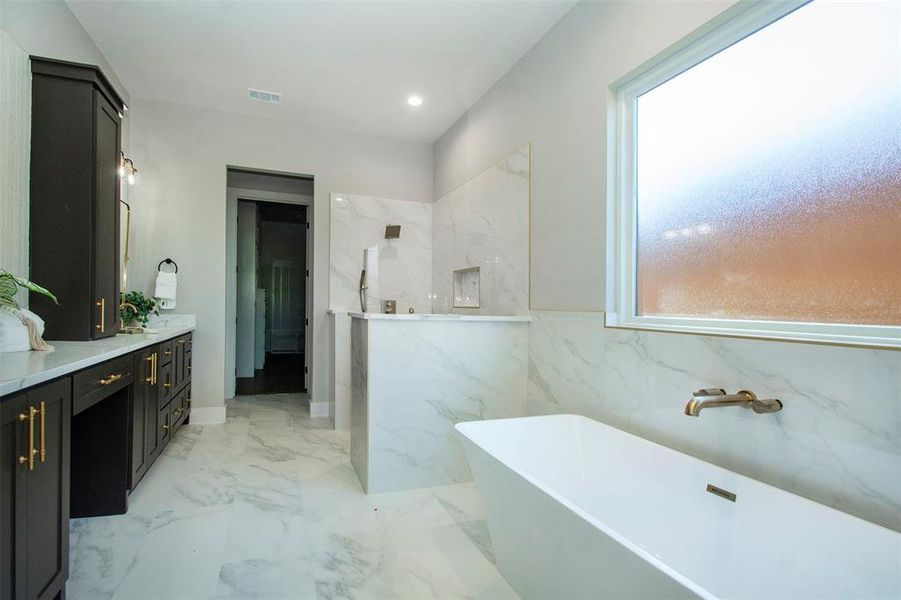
[709,392]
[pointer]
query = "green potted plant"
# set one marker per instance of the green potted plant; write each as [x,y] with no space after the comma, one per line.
[9,286]
[136,309]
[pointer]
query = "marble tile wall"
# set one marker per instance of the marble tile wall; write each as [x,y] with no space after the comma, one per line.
[837,441]
[464,371]
[485,223]
[359,415]
[405,268]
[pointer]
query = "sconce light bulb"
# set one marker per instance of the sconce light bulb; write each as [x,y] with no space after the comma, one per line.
[121,171]
[131,179]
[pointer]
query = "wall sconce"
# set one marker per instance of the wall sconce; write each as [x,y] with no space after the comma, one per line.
[127,169]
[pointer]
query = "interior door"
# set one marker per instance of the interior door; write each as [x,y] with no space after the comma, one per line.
[106,218]
[284,306]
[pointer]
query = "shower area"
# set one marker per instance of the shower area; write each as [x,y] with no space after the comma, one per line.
[450,278]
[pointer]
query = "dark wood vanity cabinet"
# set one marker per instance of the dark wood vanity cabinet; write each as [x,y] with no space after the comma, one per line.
[74,447]
[34,492]
[160,400]
[75,187]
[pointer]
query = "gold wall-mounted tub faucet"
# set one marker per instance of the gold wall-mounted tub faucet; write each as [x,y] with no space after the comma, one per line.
[716,398]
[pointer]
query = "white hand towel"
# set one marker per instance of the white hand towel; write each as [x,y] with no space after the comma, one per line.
[166,289]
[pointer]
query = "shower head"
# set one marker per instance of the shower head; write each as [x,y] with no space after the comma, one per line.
[392,232]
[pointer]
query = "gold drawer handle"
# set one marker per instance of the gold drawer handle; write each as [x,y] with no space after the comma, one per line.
[102,305]
[177,412]
[167,385]
[167,353]
[152,359]
[165,428]
[32,411]
[111,379]
[43,431]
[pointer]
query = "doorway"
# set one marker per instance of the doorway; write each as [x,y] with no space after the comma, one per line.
[269,242]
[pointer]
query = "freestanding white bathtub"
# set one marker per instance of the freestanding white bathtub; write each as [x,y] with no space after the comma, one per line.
[578,509]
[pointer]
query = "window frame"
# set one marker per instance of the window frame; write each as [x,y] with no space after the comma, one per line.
[731,26]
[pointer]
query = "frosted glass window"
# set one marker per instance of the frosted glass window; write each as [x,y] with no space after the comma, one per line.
[768,177]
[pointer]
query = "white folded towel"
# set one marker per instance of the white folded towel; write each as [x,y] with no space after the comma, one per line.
[166,289]
[21,330]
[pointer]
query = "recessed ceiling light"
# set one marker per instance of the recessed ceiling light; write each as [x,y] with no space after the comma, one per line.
[414,100]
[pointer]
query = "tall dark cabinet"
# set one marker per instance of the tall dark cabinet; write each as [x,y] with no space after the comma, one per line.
[74,230]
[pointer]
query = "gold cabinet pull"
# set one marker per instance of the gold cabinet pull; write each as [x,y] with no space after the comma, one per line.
[32,411]
[156,368]
[102,305]
[149,378]
[165,428]
[111,379]
[167,385]
[43,431]
[167,353]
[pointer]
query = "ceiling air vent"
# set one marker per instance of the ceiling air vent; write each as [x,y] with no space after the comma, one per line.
[264,96]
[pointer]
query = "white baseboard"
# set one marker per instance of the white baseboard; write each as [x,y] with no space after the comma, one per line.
[319,409]
[207,415]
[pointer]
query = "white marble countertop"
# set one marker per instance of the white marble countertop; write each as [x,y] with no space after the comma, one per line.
[20,370]
[438,317]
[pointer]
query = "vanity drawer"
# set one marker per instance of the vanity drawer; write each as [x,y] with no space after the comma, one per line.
[167,351]
[179,409]
[96,383]
[167,384]
[165,426]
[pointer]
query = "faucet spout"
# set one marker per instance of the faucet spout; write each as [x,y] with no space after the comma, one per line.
[716,398]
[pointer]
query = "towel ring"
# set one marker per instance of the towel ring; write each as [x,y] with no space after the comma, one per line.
[167,261]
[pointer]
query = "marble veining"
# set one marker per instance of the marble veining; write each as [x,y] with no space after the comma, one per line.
[404,264]
[20,370]
[267,505]
[485,223]
[837,441]
[414,380]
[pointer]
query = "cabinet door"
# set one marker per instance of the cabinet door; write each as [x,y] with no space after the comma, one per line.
[164,428]
[142,369]
[47,491]
[151,404]
[13,444]
[106,217]
[178,363]
[167,386]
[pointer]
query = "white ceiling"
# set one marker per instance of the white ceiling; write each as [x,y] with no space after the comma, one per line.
[343,65]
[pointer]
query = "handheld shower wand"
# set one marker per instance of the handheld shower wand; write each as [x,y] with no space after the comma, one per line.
[363,290]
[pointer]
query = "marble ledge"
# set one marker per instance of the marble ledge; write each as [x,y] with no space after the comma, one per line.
[21,370]
[439,317]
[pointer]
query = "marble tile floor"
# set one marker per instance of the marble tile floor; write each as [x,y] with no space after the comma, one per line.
[268,506]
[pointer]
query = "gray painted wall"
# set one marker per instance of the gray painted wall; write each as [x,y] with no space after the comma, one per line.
[180,208]
[15,141]
[555,97]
